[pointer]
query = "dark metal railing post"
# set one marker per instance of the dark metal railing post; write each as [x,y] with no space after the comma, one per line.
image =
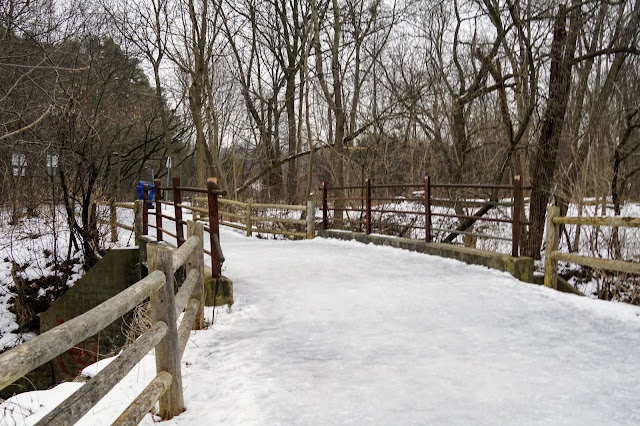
[427,208]
[157,183]
[325,207]
[214,229]
[367,195]
[145,209]
[177,200]
[516,228]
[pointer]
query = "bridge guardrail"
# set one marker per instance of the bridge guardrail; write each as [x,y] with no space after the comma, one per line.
[345,195]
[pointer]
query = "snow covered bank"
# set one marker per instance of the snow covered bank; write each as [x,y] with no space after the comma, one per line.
[332,332]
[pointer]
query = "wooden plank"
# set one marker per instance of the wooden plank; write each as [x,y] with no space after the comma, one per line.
[553,238]
[625,222]
[597,263]
[81,401]
[180,256]
[129,206]
[113,219]
[184,294]
[277,232]
[123,226]
[20,360]
[137,221]
[184,331]
[141,406]
[311,219]
[163,309]
[247,221]
[233,225]
[233,215]
[231,202]
[193,208]
[279,207]
[277,219]
[195,262]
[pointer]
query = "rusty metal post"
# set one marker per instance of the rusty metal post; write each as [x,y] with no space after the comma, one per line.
[214,229]
[145,209]
[516,215]
[156,184]
[427,208]
[177,199]
[367,198]
[325,207]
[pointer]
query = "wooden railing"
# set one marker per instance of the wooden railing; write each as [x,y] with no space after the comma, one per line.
[168,339]
[246,217]
[367,200]
[553,237]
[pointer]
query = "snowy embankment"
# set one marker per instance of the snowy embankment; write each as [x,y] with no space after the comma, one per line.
[332,332]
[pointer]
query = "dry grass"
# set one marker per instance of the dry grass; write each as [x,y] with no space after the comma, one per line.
[139,323]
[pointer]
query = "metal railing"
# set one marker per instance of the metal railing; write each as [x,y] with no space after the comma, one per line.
[371,203]
[212,193]
[168,338]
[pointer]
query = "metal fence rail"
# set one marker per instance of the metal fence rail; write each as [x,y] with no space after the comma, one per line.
[345,200]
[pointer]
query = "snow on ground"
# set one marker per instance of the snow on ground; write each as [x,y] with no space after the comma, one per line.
[31,246]
[334,332]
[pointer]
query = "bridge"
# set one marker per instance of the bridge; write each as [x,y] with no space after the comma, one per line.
[326,331]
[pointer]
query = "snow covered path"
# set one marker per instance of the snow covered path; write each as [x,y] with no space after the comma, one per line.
[333,332]
[330,332]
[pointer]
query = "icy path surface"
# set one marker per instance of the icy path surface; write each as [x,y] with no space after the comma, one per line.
[332,332]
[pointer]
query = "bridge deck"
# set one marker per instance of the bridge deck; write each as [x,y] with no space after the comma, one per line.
[334,332]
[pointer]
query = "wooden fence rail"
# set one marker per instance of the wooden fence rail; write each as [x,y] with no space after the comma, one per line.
[553,237]
[248,220]
[168,339]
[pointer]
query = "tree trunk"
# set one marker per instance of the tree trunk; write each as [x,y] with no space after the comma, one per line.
[562,52]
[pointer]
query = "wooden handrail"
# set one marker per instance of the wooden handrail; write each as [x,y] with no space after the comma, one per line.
[20,360]
[623,222]
[165,336]
[81,401]
[144,402]
[552,255]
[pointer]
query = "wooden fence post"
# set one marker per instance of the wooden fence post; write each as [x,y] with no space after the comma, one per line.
[367,197]
[247,221]
[311,218]
[93,222]
[163,309]
[113,220]
[212,199]
[196,261]
[515,216]
[138,220]
[427,208]
[158,195]
[177,199]
[551,265]
[325,207]
[145,209]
